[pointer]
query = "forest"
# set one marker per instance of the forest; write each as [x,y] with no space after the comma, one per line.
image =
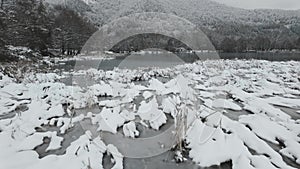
[61,31]
[55,31]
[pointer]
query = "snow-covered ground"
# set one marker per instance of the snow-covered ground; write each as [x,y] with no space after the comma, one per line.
[230,110]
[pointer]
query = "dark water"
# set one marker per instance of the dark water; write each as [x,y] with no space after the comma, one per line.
[168,60]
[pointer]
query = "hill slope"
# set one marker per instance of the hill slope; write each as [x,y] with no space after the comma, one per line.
[217,20]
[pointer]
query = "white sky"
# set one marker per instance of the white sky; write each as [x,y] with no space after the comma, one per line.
[270,4]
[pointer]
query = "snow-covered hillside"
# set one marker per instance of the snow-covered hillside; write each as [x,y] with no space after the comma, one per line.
[200,11]
[216,20]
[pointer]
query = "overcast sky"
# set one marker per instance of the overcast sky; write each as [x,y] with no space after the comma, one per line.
[270,4]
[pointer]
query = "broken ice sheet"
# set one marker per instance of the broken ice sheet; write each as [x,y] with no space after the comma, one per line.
[117,156]
[150,112]
[157,86]
[273,131]
[108,120]
[222,103]
[169,105]
[257,105]
[223,146]
[82,153]
[286,102]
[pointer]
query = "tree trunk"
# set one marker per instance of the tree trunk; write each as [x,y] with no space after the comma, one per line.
[63,50]
[2,2]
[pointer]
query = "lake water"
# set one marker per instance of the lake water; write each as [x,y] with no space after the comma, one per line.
[163,60]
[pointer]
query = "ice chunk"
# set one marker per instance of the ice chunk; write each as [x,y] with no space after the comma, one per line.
[130,130]
[147,95]
[117,156]
[108,120]
[150,112]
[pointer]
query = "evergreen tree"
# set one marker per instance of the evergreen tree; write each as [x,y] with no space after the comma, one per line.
[71,31]
[297,44]
[241,45]
[288,45]
[262,43]
[3,27]
[30,25]
[42,27]
[24,23]
[228,45]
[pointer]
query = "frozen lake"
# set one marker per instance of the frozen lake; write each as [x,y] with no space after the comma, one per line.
[241,113]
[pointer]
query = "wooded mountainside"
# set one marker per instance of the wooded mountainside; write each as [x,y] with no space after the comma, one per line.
[60,29]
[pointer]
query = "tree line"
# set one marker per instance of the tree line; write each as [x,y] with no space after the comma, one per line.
[30,23]
[259,43]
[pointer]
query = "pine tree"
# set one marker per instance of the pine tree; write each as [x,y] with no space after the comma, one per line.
[262,43]
[3,27]
[71,32]
[22,25]
[298,43]
[241,45]
[228,45]
[31,25]
[42,28]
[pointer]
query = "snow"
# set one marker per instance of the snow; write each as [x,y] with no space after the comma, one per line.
[5,80]
[128,116]
[130,130]
[117,156]
[205,94]
[221,147]
[157,86]
[169,105]
[101,89]
[222,103]
[147,95]
[181,84]
[258,105]
[149,112]
[273,131]
[286,102]
[108,120]
[55,142]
